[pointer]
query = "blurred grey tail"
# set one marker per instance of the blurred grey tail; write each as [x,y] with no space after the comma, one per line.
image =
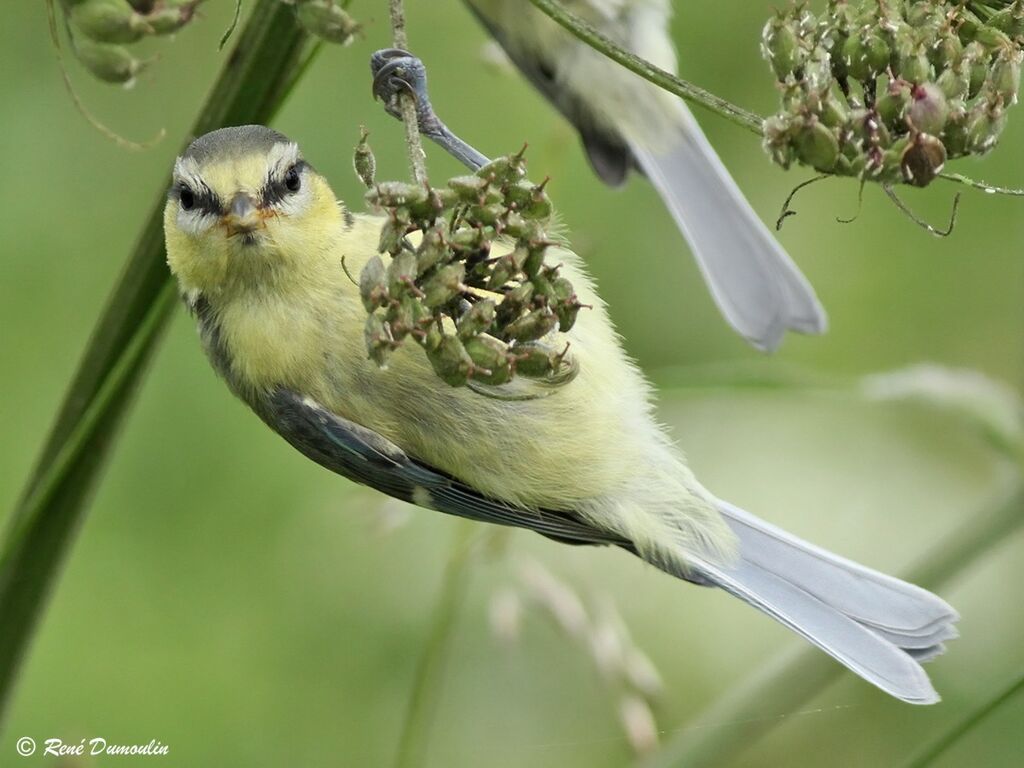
[758,289]
[878,626]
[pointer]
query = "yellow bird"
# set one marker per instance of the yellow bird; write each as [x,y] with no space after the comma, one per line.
[256,240]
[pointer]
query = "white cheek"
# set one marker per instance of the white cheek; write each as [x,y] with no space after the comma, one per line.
[296,203]
[195,223]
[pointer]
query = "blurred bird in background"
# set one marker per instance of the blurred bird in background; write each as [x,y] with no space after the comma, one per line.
[627,123]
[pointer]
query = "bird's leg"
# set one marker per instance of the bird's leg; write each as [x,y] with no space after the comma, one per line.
[396,71]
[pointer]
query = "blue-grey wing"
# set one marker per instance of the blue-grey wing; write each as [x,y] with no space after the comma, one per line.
[367,457]
[608,153]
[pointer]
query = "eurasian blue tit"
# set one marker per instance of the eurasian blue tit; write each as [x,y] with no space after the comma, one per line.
[257,241]
[626,122]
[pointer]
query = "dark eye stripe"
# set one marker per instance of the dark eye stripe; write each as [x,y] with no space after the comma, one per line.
[204,199]
[275,190]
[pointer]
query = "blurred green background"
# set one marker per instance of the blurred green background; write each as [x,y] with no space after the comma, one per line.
[236,602]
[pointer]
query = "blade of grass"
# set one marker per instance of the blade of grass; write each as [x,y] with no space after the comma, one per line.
[738,720]
[412,743]
[250,88]
[936,749]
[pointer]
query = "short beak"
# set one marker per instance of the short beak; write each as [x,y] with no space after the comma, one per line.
[243,215]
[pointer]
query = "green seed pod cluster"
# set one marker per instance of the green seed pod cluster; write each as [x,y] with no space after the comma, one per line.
[102,32]
[465,276]
[889,90]
[327,19]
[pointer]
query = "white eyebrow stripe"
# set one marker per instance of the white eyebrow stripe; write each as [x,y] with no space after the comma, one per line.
[187,169]
[283,156]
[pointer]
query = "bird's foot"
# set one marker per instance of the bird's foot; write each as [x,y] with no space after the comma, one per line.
[396,72]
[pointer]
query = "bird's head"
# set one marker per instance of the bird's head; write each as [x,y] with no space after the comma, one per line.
[245,208]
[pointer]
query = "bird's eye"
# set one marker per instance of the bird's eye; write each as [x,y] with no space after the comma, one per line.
[292,179]
[186,199]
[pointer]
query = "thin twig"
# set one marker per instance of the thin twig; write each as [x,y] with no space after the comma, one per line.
[786,211]
[666,80]
[959,178]
[407,102]
[891,193]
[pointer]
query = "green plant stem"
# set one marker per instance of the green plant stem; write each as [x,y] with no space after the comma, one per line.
[250,88]
[666,80]
[406,101]
[785,684]
[412,743]
[935,750]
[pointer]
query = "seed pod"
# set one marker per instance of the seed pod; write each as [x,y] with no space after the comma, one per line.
[834,111]
[373,288]
[780,45]
[984,125]
[170,16]
[444,285]
[514,303]
[955,81]
[379,343]
[947,51]
[866,54]
[401,317]
[567,305]
[534,260]
[491,360]
[529,200]
[396,194]
[503,270]
[923,160]
[451,361]
[954,136]
[533,325]
[1004,79]
[364,161]
[915,67]
[432,250]
[110,63]
[472,239]
[928,109]
[777,139]
[816,145]
[327,20]
[477,319]
[892,105]
[535,360]
[392,233]
[487,215]
[401,272]
[817,72]
[473,189]
[504,170]
[976,59]
[108,21]
[1009,20]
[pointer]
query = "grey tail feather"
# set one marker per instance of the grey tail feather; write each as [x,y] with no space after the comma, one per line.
[876,625]
[757,287]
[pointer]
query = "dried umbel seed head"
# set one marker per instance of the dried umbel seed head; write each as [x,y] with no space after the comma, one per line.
[328,20]
[887,91]
[467,278]
[101,30]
